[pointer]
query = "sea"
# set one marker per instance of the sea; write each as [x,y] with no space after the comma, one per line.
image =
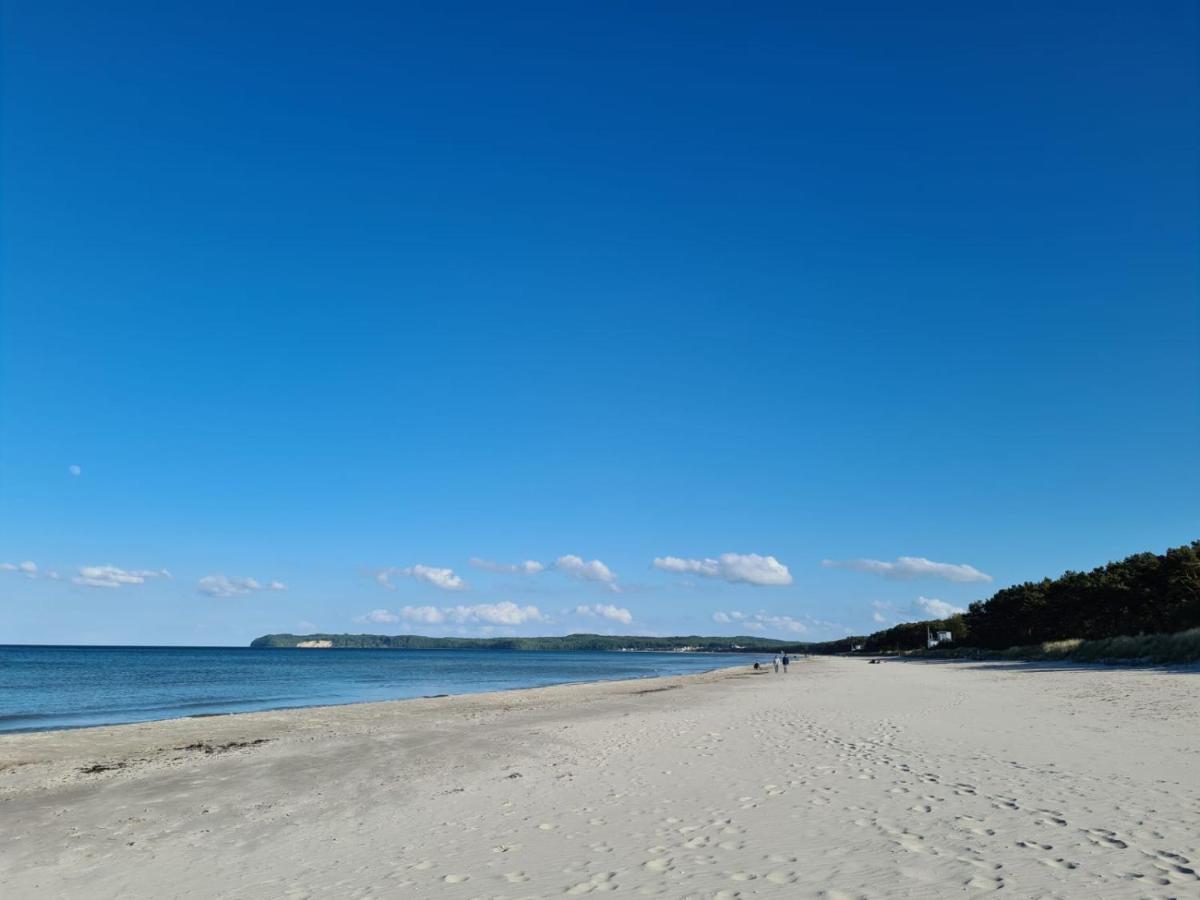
[44,687]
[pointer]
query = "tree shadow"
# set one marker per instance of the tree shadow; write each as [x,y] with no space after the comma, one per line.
[1053,665]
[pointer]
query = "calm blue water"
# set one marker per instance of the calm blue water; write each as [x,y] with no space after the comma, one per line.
[67,687]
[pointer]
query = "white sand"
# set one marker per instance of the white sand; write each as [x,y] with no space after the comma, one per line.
[841,779]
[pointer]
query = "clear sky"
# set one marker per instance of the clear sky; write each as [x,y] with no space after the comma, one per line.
[307,304]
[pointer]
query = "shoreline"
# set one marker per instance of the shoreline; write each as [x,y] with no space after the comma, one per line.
[287,717]
[837,780]
[50,729]
[68,720]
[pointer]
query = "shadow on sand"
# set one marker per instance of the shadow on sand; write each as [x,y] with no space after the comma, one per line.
[1045,665]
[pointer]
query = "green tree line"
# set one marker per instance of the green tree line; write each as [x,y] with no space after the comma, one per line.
[1147,593]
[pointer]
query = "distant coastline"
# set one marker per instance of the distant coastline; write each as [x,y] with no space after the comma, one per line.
[583,642]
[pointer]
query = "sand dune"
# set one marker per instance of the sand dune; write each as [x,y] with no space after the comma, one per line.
[838,780]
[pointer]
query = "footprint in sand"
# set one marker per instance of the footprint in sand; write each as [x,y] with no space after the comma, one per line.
[515,877]
[601,882]
[1058,863]
[983,883]
[1032,845]
[1104,838]
[1169,868]
[456,879]
[1173,857]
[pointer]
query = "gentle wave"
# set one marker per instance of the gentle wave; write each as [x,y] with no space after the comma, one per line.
[44,688]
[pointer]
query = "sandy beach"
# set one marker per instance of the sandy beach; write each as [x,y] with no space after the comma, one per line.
[839,780]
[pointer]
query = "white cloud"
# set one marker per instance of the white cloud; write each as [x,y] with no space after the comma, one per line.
[439,578]
[75,470]
[748,568]
[28,568]
[782,623]
[606,611]
[938,609]
[109,576]
[879,617]
[504,613]
[762,621]
[910,567]
[429,615]
[227,586]
[377,617]
[587,571]
[726,618]
[708,567]
[528,567]
[224,586]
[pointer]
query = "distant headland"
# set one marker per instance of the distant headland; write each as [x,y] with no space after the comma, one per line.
[628,643]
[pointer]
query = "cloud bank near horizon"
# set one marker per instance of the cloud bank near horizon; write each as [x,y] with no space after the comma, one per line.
[762,621]
[606,611]
[503,613]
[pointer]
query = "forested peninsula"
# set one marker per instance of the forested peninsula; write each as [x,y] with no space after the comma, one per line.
[695,643]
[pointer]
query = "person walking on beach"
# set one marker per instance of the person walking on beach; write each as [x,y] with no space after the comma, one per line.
[785,663]
[775,662]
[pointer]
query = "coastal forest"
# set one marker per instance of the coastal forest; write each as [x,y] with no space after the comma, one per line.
[1147,593]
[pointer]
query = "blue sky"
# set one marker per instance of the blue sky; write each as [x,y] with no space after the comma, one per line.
[326,302]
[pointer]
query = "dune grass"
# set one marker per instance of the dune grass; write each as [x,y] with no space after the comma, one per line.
[1148,649]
